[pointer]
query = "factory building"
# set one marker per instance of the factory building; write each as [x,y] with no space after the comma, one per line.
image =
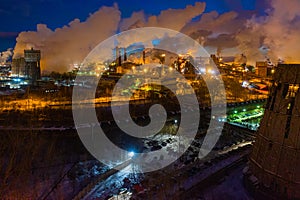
[264,69]
[18,67]
[28,66]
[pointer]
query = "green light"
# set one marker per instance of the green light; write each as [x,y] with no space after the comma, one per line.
[244,110]
[257,106]
[235,111]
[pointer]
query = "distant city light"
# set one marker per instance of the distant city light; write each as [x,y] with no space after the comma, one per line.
[245,84]
[17,79]
[202,70]
[210,71]
[131,154]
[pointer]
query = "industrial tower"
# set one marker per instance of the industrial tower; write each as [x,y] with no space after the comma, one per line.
[33,67]
[274,168]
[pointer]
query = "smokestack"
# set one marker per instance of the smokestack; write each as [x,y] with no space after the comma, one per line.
[117,55]
[218,52]
[119,59]
[125,54]
[144,57]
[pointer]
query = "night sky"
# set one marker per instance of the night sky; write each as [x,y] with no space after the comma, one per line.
[19,15]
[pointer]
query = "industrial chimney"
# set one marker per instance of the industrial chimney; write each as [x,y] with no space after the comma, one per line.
[273,171]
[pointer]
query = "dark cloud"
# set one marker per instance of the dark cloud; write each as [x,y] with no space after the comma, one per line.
[198,34]
[8,34]
[222,41]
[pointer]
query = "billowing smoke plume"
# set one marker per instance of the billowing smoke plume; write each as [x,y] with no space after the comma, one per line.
[70,44]
[214,31]
[174,19]
[275,36]
[5,55]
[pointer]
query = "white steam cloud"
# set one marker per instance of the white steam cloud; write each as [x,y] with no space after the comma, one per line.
[274,35]
[5,55]
[70,44]
[174,19]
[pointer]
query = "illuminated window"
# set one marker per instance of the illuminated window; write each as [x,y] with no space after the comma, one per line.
[289,106]
[291,91]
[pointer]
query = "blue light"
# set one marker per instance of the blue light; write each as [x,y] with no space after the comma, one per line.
[17,79]
[131,154]
[156,42]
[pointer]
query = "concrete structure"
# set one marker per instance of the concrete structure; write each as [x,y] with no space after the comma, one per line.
[33,66]
[28,66]
[18,67]
[264,69]
[261,68]
[274,163]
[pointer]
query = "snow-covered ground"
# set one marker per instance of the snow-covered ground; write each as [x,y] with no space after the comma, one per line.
[112,185]
[229,188]
[170,180]
[167,184]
